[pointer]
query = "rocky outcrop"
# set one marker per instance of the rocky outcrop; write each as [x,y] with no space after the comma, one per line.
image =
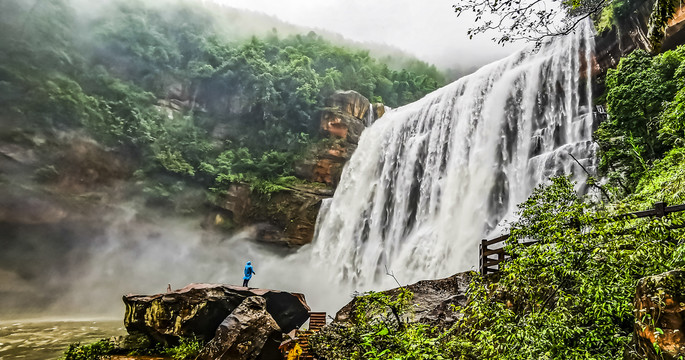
[199,309]
[347,114]
[634,32]
[674,34]
[286,217]
[85,166]
[237,201]
[28,209]
[244,333]
[378,110]
[659,309]
[620,40]
[432,301]
[324,161]
[290,214]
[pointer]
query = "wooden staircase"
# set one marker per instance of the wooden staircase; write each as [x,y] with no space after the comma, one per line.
[317,320]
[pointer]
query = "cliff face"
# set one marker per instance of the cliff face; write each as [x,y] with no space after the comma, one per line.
[634,32]
[628,35]
[346,115]
[289,216]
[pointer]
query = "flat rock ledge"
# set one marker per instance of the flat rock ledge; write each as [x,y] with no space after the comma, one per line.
[198,310]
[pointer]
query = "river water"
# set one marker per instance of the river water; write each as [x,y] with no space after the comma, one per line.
[46,339]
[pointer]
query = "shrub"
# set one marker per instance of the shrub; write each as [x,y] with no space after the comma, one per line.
[92,351]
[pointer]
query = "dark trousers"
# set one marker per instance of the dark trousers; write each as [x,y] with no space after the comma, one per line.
[245,282]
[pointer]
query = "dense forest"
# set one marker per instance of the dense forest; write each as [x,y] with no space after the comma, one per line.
[156,82]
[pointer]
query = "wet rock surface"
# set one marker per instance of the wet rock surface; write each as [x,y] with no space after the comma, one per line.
[344,119]
[432,301]
[288,217]
[244,333]
[199,309]
[659,309]
[631,33]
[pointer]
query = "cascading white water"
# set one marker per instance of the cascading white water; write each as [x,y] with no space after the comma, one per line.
[369,116]
[432,178]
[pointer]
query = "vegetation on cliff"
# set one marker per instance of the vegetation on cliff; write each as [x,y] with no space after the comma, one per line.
[645,101]
[190,100]
[570,295]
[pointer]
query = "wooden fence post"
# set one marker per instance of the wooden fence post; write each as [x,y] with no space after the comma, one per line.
[660,209]
[483,246]
[500,258]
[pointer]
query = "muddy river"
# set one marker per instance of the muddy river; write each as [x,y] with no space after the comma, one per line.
[46,339]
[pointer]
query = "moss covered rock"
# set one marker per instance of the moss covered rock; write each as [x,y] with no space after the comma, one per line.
[197,310]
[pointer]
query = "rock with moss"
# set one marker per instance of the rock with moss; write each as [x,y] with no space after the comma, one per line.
[198,309]
[659,307]
[432,301]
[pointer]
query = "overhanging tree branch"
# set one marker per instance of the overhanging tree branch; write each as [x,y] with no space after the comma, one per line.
[529,20]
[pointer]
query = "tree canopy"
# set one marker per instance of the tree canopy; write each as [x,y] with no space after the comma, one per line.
[193,101]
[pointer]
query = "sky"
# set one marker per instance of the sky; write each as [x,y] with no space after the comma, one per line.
[428,29]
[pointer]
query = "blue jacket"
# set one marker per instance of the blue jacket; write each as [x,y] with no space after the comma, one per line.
[249,271]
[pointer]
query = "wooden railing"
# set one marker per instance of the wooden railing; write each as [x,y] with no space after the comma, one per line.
[491,257]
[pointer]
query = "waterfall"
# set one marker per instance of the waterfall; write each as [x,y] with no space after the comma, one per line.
[432,178]
[370,116]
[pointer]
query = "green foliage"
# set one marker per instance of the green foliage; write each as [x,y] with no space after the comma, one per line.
[644,101]
[615,14]
[605,21]
[241,166]
[665,181]
[378,330]
[568,296]
[92,351]
[662,12]
[188,348]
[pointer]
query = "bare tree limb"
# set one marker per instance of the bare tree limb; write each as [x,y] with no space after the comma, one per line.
[529,20]
[594,184]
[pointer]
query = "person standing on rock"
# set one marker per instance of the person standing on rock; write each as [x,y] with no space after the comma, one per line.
[248,273]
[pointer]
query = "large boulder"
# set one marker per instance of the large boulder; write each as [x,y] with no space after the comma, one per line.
[432,301]
[244,333]
[659,317]
[198,309]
